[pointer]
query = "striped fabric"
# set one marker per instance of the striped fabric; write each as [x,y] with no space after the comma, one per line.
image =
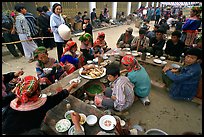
[32,23]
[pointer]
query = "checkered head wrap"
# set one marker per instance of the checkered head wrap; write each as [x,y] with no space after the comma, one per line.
[130,60]
[27,90]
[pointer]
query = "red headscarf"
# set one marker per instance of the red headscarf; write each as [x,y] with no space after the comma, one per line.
[68,46]
[130,60]
[101,34]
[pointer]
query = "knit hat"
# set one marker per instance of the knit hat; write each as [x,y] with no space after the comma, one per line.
[28,92]
[39,50]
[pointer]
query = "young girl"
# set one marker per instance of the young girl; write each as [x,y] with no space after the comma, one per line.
[86,45]
[101,41]
[70,59]
[138,76]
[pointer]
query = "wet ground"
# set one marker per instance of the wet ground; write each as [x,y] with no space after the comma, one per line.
[174,117]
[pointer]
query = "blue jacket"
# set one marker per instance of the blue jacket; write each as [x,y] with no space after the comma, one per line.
[185,84]
[141,81]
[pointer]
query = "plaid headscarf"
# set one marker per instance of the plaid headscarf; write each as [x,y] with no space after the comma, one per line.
[27,90]
[85,36]
[39,50]
[130,60]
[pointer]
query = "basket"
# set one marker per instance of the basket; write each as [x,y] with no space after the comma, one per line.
[87,86]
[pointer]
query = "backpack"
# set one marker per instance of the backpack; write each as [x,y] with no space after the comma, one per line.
[7,21]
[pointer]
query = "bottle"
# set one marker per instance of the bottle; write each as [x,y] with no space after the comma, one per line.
[143,56]
[182,58]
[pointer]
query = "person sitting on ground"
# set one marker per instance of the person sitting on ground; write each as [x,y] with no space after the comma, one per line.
[152,33]
[7,94]
[86,45]
[145,25]
[78,17]
[70,60]
[29,108]
[141,42]
[101,41]
[47,77]
[183,83]
[125,39]
[138,76]
[156,44]
[174,46]
[120,95]
[122,17]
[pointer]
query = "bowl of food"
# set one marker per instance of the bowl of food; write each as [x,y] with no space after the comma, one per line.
[72,130]
[91,120]
[89,62]
[82,118]
[94,88]
[155,132]
[67,114]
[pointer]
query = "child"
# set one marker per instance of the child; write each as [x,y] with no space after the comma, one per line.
[138,76]
[101,41]
[120,95]
[184,85]
[70,59]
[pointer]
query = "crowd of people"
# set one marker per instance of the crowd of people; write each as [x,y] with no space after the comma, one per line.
[24,100]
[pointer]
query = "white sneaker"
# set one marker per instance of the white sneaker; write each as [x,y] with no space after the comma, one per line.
[145,101]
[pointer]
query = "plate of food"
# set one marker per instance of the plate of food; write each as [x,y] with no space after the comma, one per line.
[107,122]
[92,72]
[72,130]
[62,125]
[158,61]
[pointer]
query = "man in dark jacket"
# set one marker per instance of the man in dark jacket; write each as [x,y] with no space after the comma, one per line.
[157,43]
[44,24]
[174,46]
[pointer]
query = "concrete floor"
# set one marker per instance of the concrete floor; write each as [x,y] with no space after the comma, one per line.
[174,117]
